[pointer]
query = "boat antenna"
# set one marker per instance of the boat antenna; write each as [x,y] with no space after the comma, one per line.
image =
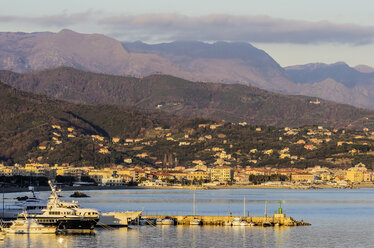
[54,193]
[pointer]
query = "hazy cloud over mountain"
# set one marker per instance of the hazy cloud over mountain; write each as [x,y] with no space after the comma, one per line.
[242,28]
[212,27]
[58,20]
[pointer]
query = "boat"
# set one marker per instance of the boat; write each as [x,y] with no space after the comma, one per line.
[29,226]
[243,223]
[32,204]
[227,223]
[195,221]
[66,216]
[119,219]
[236,222]
[143,221]
[165,221]
[266,222]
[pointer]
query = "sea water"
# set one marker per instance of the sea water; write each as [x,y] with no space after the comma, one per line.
[339,218]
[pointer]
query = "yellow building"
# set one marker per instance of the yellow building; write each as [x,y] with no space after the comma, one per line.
[302,177]
[198,175]
[221,174]
[356,174]
[6,170]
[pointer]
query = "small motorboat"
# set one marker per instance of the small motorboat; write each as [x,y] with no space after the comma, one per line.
[147,221]
[236,221]
[266,223]
[196,222]
[243,223]
[165,221]
[29,226]
[227,223]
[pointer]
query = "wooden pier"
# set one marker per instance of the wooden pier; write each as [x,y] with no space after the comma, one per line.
[276,220]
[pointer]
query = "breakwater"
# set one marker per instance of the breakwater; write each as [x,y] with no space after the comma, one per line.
[221,220]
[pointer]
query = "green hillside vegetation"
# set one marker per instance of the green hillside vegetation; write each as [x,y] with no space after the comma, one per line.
[26,122]
[233,103]
[35,128]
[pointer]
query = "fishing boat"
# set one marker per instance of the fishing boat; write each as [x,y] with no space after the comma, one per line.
[29,226]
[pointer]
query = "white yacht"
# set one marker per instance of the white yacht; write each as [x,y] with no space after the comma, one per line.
[65,215]
[28,226]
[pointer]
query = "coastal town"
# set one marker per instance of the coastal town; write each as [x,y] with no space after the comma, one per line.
[210,155]
[199,175]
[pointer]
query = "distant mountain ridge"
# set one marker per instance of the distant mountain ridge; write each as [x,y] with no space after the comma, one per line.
[230,102]
[223,62]
[340,72]
[218,62]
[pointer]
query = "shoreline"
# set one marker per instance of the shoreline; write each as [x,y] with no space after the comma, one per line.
[90,188]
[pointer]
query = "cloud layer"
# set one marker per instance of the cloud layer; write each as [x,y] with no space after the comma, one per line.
[153,27]
[241,28]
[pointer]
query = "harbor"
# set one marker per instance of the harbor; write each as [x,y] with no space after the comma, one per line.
[322,208]
[69,217]
[222,221]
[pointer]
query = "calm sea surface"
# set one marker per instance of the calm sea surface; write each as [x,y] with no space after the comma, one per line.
[339,218]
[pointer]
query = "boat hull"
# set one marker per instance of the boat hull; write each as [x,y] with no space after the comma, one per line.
[68,223]
[42,230]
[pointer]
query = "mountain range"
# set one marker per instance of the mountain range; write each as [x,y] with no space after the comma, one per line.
[230,102]
[220,62]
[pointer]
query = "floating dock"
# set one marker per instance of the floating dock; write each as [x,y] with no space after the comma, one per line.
[276,220]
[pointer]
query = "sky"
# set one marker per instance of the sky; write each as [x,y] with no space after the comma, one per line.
[291,31]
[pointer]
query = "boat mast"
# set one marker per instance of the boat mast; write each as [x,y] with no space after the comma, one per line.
[194,204]
[228,212]
[266,208]
[244,207]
